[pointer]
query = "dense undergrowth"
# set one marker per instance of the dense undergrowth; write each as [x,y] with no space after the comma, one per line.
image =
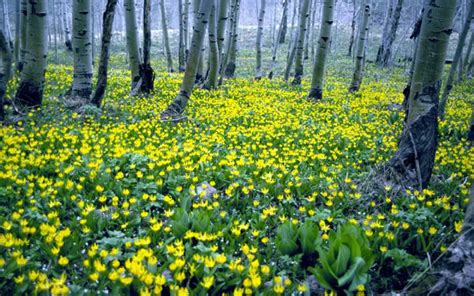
[108,201]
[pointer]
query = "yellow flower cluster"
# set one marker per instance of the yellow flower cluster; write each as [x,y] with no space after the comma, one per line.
[96,200]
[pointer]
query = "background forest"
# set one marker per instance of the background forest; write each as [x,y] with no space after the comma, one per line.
[231,147]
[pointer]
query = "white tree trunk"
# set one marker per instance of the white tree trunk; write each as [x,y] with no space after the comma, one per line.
[324,42]
[82,49]
[164,27]
[180,102]
[132,41]
[361,47]
[30,91]
[261,18]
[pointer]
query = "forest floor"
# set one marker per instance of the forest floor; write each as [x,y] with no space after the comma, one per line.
[113,199]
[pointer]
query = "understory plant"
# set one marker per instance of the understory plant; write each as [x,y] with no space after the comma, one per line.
[345,265]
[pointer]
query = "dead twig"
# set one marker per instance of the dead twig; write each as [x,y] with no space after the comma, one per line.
[417,163]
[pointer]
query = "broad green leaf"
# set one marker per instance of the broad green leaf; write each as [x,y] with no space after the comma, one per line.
[351,273]
[341,263]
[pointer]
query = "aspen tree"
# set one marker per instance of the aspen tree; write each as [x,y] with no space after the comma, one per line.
[360,51]
[304,13]
[212,76]
[82,49]
[107,26]
[261,18]
[30,89]
[324,42]
[164,27]
[384,53]
[132,41]
[177,107]
[457,56]
[414,159]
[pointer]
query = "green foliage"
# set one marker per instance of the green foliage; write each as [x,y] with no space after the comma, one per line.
[287,235]
[201,222]
[401,259]
[309,238]
[180,222]
[346,264]
[293,240]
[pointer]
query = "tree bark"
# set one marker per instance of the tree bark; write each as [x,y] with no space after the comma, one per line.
[164,27]
[414,159]
[304,13]
[55,30]
[211,82]
[5,70]
[468,54]
[386,25]
[107,26]
[17,31]
[360,52]
[221,25]
[229,70]
[132,42]
[385,50]
[186,29]
[67,30]
[30,90]
[179,104]
[23,33]
[181,48]
[283,23]
[93,30]
[228,44]
[457,56]
[200,67]
[276,44]
[146,71]
[261,18]
[313,30]
[82,50]
[324,43]
[353,26]
[59,21]
[6,23]
[308,31]
[414,35]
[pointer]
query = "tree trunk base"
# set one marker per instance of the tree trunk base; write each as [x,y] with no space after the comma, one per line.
[296,81]
[470,135]
[174,112]
[68,44]
[19,66]
[230,70]
[409,168]
[353,88]
[148,78]
[199,79]
[2,95]
[315,94]
[28,95]
[414,159]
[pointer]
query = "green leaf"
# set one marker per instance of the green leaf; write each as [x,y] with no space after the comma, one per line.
[201,222]
[180,223]
[286,238]
[320,277]
[358,280]
[351,273]
[343,257]
[309,237]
